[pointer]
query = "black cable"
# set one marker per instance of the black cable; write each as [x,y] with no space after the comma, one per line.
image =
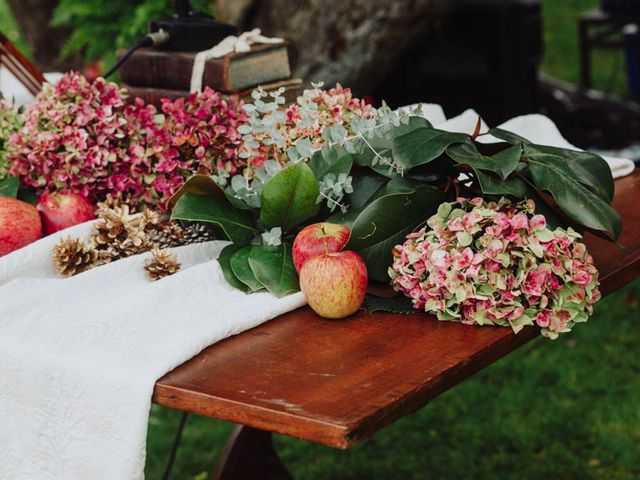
[174,447]
[151,40]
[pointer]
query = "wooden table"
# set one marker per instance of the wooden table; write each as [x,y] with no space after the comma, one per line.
[338,382]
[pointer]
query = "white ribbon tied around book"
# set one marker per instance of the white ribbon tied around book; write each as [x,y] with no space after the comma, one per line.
[231,44]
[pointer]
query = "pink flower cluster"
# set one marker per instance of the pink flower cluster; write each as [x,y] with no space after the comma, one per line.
[83,137]
[204,131]
[497,264]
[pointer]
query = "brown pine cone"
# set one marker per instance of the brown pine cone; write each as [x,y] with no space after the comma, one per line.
[72,256]
[161,264]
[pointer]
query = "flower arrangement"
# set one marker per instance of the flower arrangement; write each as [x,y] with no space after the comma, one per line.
[83,137]
[75,138]
[273,131]
[10,122]
[497,263]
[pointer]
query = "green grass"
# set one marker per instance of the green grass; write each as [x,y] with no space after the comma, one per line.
[565,409]
[561,47]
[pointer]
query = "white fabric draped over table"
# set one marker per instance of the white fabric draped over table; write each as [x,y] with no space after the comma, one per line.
[79,356]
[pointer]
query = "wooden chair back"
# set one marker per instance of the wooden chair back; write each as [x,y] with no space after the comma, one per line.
[26,72]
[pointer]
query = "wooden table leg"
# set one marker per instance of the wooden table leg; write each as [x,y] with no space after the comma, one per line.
[250,455]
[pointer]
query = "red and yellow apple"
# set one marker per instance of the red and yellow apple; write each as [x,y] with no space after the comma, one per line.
[64,210]
[334,284]
[317,239]
[19,225]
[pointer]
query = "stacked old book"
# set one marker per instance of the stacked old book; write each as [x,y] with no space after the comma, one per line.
[155,74]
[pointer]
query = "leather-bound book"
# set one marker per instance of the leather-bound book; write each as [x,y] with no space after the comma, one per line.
[292,90]
[237,71]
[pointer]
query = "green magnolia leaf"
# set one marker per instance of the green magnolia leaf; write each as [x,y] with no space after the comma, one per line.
[238,225]
[9,187]
[224,259]
[273,267]
[589,169]
[502,163]
[366,185]
[423,146]
[334,160]
[491,184]
[508,137]
[393,305]
[240,267]
[198,185]
[574,199]
[289,197]
[386,221]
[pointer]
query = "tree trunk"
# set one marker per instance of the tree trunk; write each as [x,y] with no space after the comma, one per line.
[46,42]
[355,42]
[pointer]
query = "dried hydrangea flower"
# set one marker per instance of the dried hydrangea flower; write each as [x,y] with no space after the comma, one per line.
[497,263]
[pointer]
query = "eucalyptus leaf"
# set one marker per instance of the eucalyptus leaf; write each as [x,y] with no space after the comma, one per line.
[238,225]
[289,198]
[273,267]
[386,221]
[9,187]
[224,259]
[239,262]
[423,146]
[334,160]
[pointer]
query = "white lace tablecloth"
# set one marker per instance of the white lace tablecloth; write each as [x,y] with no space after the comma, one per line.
[79,356]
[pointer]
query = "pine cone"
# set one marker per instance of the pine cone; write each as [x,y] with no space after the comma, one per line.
[169,234]
[121,233]
[112,202]
[72,256]
[161,264]
[197,233]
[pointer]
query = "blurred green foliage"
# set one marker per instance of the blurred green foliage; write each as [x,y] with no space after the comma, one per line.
[100,27]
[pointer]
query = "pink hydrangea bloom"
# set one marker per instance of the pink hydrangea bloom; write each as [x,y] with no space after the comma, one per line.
[505,267]
[84,137]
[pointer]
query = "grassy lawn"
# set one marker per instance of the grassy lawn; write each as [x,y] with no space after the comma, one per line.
[565,409]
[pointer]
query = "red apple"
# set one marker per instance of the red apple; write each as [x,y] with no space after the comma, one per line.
[19,225]
[334,284]
[64,210]
[318,238]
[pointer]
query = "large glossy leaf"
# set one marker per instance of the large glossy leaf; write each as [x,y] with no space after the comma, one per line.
[273,267]
[198,185]
[502,163]
[289,198]
[241,268]
[574,199]
[224,259]
[589,169]
[387,220]
[508,137]
[9,187]
[334,160]
[238,225]
[491,184]
[423,146]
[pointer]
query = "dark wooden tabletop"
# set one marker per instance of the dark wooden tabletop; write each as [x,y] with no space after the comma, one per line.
[337,382]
